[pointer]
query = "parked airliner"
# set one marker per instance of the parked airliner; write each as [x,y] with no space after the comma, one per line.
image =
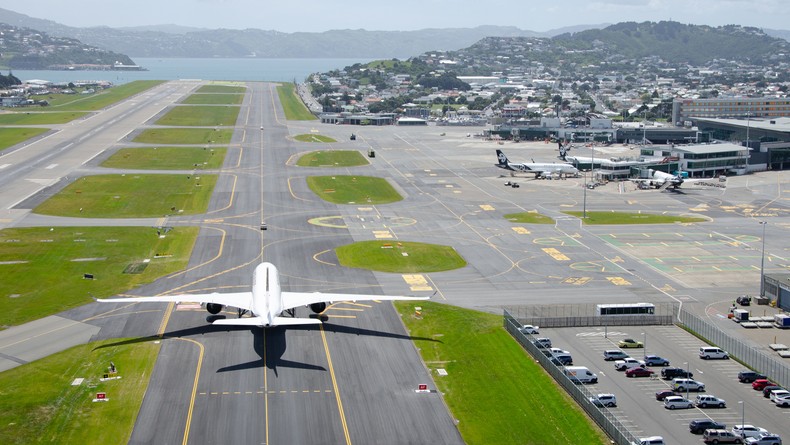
[267,302]
[538,169]
[662,180]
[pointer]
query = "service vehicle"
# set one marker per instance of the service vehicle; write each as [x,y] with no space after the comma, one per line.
[580,374]
[678,402]
[707,400]
[655,360]
[698,426]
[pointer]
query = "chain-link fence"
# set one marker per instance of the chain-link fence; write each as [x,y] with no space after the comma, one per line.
[744,351]
[605,419]
[577,315]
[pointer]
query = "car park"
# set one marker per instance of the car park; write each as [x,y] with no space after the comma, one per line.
[778,393]
[655,360]
[672,373]
[782,401]
[678,402]
[680,385]
[639,372]
[745,431]
[767,390]
[749,376]
[607,400]
[707,400]
[764,439]
[628,363]
[664,393]
[699,426]
[720,436]
[760,384]
[630,343]
[529,329]
[709,352]
[614,354]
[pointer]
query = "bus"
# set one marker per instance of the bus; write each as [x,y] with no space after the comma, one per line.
[625,309]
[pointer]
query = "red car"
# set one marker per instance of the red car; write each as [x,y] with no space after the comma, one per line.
[759,384]
[639,372]
[664,393]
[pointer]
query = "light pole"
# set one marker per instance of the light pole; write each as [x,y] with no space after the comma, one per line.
[762,263]
[644,344]
[748,114]
[644,128]
[687,376]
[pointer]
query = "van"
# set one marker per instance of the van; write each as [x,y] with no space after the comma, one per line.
[580,374]
[652,440]
[614,354]
[711,352]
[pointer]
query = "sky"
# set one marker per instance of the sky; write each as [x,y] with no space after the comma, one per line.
[401,15]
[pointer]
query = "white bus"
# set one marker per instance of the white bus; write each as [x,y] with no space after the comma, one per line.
[625,309]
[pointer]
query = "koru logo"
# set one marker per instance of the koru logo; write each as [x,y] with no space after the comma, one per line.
[502,158]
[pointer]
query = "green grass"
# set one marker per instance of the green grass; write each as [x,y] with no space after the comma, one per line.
[399,257]
[199,116]
[529,218]
[632,218]
[192,136]
[39,117]
[214,88]
[353,189]
[47,279]
[167,158]
[292,105]
[334,158]
[39,405]
[131,196]
[12,136]
[214,99]
[101,99]
[313,138]
[496,391]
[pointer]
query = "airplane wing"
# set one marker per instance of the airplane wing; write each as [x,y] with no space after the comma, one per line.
[296,299]
[260,321]
[242,300]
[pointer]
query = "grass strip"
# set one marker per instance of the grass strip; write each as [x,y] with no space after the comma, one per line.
[201,116]
[12,136]
[167,158]
[599,217]
[399,256]
[332,158]
[529,218]
[181,136]
[294,108]
[498,394]
[313,138]
[353,189]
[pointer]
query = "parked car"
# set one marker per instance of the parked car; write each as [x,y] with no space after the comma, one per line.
[782,401]
[608,400]
[542,342]
[614,354]
[744,300]
[699,426]
[778,393]
[654,360]
[706,400]
[710,352]
[760,384]
[745,431]
[664,393]
[680,385]
[749,376]
[652,440]
[764,439]
[630,343]
[529,329]
[677,402]
[767,390]
[639,372]
[671,373]
[628,363]
[720,436]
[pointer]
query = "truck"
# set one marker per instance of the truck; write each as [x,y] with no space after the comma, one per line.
[782,321]
[740,315]
[628,363]
[580,374]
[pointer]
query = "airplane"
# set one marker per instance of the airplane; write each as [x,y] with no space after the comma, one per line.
[538,169]
[662,180]
[266,302]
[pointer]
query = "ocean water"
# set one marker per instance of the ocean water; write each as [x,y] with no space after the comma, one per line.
[280,70]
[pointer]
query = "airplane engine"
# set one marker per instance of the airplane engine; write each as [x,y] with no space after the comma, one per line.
[318,307]
[213,308]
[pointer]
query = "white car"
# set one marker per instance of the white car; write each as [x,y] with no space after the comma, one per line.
[704,401]
[677,402]
[628,363]
[529,329]
[608,400]
[555,351]
[748,430]
[782,401]
[778,393]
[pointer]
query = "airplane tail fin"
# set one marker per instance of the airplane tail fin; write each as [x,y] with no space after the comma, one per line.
[503,161]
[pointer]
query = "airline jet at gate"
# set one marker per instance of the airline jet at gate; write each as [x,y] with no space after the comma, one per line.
[538,169]
[663,181]
[267,302]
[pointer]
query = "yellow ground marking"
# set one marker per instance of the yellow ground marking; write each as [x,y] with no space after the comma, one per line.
[716,268]
[344,316]
[577,281]
[334,386]
[161,222]
[487,207]
[382,234]
[417,282]
[230,199]
[354,303]
[556,254]
[667,288]
[194,387]
[618,281]
[521,231]
[352,309]
[616,259]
